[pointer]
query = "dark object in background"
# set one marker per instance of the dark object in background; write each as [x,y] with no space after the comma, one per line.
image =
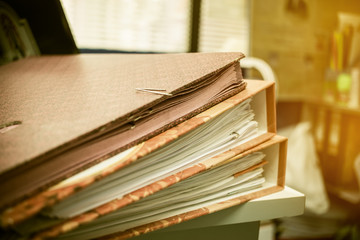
[48,24]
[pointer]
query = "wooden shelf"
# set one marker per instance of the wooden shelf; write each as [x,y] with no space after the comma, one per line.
[335,130]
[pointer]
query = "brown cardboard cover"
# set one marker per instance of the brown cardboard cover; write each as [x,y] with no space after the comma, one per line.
[67,103]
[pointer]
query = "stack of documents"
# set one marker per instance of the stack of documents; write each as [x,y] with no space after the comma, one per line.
[110,145]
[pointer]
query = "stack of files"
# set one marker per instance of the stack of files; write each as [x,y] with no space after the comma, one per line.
[220,157]
[62,114]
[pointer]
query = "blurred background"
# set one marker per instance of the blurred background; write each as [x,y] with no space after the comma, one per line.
[311,47]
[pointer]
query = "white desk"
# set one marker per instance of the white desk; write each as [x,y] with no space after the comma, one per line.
[238,222]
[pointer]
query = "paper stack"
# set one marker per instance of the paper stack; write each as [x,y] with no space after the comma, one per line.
[118,145]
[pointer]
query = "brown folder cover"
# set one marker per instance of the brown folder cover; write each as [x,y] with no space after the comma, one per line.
[76,110]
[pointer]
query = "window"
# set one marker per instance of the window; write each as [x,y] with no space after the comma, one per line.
[224,26]
[158,25]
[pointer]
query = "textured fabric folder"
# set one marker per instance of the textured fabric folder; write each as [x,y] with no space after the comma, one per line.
[76,110]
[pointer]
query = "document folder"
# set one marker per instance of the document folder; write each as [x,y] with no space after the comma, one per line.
[63,114]
[263,105]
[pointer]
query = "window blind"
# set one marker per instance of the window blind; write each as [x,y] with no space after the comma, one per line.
[224,26]
[130,25]
[158,25]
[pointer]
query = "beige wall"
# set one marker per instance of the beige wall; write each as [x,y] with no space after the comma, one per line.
[296,42]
